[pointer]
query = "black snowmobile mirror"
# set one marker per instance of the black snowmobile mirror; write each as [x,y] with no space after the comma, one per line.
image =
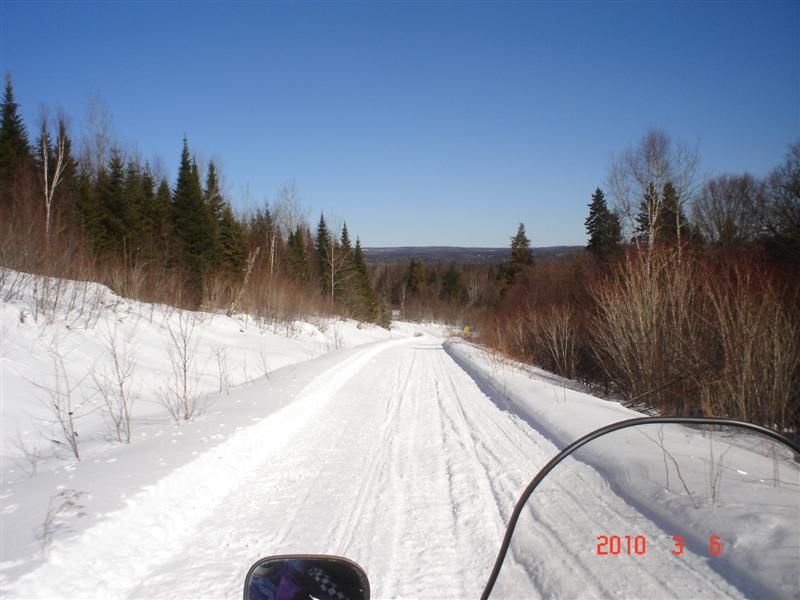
[657,508]
[306,577]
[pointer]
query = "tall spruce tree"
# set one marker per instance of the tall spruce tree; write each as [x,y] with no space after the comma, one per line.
[111,227]
[192,222]
[672,223]
[346,292]
[366,305]
[521,255]
[215,208]
[133,205]
[231,242]
[323,247]
[603,228]
[297,259]
[415,276]
[162,224]
[15,151]
[451,284]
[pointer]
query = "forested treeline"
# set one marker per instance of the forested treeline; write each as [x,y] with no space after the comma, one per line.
[103,215]
[686,300]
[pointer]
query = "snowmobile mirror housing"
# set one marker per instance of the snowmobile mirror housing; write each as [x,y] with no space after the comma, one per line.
[302,576]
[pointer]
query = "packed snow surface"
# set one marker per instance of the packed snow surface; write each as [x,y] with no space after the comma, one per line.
[403,450]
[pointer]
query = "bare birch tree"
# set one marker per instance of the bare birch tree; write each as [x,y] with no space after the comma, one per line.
[52,160]
[650,165]
[97,134]
[288,209]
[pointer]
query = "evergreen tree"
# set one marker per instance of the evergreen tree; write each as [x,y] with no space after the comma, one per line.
[231,241]
[132,208]
[521,255]
[603,228]
[671,219]
[215,208]
[162,224]
[298,262]
[451,284]
[15,152]
[415,276]
[110,227]
[366,305]
[667,214]
[263,233]
[345,291]
[147,211]
[88,209]
[347,247]
[323,247]
[192,223]
[384,306]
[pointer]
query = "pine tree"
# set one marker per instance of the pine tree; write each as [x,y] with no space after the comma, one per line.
[215,208]
[111,229]
[603,228]
[451,284]
[323,247]
[415,276]
[263,233]
[345,291]
[384,305]
[521,255]
[298,262]
[192,222]
[231,241]
[365,305]
[162,224]
[88,209]
[15,151]
[672,223]
[146,213]
[133,207]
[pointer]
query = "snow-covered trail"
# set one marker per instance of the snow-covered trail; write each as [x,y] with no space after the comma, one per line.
[392,457]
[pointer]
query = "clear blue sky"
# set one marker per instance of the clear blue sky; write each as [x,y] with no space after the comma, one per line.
[419,123]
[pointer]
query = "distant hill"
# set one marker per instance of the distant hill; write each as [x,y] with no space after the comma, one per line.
[459,254]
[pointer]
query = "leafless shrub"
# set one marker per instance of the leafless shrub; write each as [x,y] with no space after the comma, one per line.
[251,261]
[645,336]
[127,280]
[223,375]
[559,335]
[28,455]
[178,396]
[756,338]
[114,384]
[60,402]
[264,364]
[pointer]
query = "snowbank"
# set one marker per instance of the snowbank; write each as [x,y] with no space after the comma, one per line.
[691,482]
